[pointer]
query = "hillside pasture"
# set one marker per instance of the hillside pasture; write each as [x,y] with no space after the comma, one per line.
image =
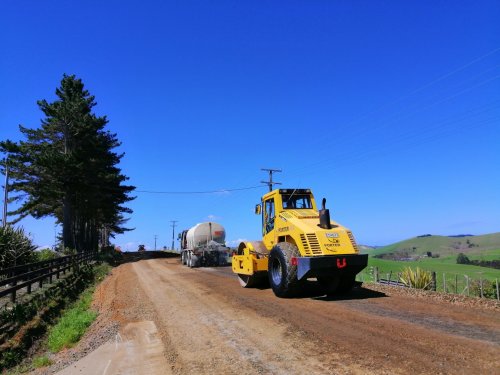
[443,246]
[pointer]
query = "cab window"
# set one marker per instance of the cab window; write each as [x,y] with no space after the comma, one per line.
[269,214]
[296,201]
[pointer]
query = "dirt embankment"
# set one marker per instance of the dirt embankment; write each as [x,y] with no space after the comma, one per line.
[160,317]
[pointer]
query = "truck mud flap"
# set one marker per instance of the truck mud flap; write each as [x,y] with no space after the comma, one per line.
[330,265]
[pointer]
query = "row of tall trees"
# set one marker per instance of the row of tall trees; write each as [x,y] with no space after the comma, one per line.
[68,169]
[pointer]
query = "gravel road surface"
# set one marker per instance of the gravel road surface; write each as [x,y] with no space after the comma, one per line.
[200,321]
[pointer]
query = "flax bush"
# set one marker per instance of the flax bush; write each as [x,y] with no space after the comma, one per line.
[418,279]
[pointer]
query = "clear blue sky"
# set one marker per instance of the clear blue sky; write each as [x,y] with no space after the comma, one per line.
[389,109]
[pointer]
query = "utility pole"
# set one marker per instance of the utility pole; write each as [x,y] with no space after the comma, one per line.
[156,236]
[6,193]
[270,183]
[173,225]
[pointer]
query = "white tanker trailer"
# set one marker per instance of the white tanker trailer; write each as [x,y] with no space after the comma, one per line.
[204,245]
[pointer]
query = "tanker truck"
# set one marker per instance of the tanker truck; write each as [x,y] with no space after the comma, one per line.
[204,245]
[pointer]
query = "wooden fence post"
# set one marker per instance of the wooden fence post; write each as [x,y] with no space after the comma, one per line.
[13,295]
[498,294]
[434,281]
[444,282]
[375,270]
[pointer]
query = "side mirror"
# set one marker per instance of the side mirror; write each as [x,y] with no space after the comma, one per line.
[257,209]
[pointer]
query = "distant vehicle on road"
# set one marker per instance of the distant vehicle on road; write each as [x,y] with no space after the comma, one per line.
[204,245]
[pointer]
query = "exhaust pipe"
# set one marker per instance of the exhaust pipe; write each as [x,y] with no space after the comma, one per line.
[324,216]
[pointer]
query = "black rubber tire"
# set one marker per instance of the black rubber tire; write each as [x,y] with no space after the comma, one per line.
[330,284]
[282,274]
[222,260]
[195,262]
[252,281]
[190,260]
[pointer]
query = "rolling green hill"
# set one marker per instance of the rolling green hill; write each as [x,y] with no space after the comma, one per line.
[443,246]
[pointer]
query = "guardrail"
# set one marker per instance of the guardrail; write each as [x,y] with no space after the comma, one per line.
[14,278]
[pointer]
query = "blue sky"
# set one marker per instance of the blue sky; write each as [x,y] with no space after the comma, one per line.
[389,109]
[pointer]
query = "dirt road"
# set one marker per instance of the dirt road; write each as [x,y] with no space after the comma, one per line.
[205,323]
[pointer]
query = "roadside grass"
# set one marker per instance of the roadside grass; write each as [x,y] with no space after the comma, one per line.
[54,305]
[41,361]
[73,323]
[77,318]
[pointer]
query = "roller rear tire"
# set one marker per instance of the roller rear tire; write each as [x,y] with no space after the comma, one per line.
[282,274]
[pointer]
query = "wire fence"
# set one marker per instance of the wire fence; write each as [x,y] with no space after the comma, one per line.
[441,282]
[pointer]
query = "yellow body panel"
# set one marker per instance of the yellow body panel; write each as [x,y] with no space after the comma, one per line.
[248,264]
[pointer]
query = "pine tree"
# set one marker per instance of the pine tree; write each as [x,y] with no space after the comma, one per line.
[67,169]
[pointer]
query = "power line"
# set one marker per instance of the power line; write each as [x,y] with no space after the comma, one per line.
[393,120]
[433,131]
[399,115]
[198,192]
[425,86]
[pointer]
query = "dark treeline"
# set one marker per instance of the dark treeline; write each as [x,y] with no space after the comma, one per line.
[67,169]
[464,259]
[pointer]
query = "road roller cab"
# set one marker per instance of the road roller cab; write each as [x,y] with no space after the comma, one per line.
[298,242]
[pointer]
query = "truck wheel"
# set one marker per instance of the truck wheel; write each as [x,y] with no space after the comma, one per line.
[183,258]
[194,261]
[330,284]
[282,274]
